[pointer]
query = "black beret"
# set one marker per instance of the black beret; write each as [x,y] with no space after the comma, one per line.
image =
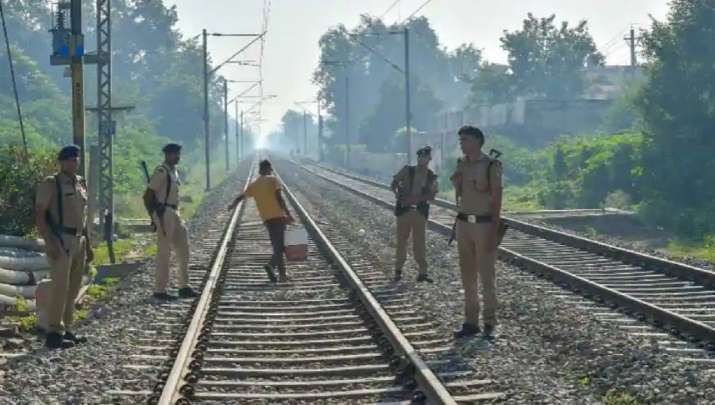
[171,148]
[68,152]
[425,150]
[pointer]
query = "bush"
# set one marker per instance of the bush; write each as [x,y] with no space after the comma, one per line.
[19,181]
[618,199]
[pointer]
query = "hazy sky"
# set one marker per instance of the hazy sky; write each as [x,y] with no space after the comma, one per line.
[295,26]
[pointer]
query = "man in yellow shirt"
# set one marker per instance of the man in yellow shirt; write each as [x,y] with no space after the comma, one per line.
[266,190]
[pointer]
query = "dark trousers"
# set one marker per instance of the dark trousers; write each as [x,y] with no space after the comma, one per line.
[276,231]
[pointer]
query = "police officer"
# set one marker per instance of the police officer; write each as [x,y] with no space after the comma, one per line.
[61,218]
[478,184]
[414,187]
[162,200]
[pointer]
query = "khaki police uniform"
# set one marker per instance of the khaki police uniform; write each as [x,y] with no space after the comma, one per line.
[68,229]
[475,260]
[413,222]
[171,231]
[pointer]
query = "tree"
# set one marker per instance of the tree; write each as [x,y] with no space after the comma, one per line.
[389,115]
[492,85]
[678,105]
[546,61]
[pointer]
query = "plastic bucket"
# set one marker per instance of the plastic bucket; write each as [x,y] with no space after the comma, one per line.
[296,244]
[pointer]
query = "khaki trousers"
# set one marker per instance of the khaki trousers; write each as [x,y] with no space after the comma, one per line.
[67,271]
[411,222]
[475,263]
[175,238]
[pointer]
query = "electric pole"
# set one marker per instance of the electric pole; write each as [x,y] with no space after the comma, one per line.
[105,124]
[225,120]
[631,39]
[77,68]
[320,134]
[206,109]
[347,120]
[305,133]
[243,136]
[408,109]
[235,128]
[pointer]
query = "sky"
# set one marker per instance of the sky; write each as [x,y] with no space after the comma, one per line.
[291,52]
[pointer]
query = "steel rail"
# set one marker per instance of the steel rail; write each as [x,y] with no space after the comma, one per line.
[175,381]
[431,386]
[658,316]
[669,267]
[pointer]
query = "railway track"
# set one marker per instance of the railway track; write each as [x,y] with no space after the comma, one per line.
[334,333]
[673,297]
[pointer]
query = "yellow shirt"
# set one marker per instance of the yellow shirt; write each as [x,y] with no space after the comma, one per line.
[263,190]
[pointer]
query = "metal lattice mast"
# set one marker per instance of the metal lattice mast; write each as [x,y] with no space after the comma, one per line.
[106,125]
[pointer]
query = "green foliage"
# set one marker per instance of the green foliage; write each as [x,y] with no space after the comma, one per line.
[614,397]
[19,179]
[388,115]
[545,61]
[376,91]
[588,172]
[688,249]
[623,115]
[678,106]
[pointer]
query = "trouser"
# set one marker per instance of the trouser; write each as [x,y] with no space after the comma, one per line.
[476,262]
[411,222]
[67,271]
[172,235]
[276,231]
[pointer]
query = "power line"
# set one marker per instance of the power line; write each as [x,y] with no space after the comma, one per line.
[14,82]
[417,11]
[396,2]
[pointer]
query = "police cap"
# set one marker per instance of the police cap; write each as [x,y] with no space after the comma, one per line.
[424,151]
[68,152]
[171,148]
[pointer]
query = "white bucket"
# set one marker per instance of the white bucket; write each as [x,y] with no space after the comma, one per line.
[296,244]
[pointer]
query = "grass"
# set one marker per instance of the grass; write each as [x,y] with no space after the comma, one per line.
[700,250]
[614,397]
[516,198]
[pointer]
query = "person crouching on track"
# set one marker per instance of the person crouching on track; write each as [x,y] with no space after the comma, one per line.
[161,199]
[266,190]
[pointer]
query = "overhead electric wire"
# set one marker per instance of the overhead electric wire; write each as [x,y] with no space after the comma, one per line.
[396,2]
[416,11]
[14,82]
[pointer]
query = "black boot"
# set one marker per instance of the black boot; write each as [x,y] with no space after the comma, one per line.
[269,272]
[164,296]
[468,330]
[69,336]
[56,341]
[187,292]
[422,278]
[488,331]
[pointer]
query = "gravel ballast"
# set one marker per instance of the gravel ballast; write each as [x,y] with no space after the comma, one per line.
[84,374]
[547,350]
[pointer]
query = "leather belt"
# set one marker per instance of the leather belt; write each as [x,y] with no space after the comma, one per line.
[474,219]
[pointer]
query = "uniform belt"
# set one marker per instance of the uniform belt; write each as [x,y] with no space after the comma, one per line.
[474,219]
[174,206]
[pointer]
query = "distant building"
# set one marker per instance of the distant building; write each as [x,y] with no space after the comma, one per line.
[538,121]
